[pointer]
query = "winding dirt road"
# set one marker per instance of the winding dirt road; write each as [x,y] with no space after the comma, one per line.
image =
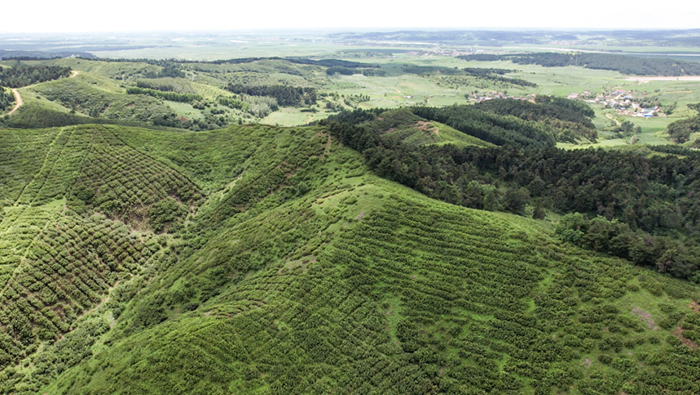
[18,99]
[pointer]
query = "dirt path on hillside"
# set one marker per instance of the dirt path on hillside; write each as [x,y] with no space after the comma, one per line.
[73,73]
[613,119]
[18,99]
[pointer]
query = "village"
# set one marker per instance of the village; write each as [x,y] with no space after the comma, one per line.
[621,100]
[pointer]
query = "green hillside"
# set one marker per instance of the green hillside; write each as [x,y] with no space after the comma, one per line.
[268,260]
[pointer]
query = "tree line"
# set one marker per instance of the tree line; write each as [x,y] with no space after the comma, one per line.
[170,62]
[666,254]
[285,95]
[625,64]
[491,74]
[680,131]
[21,75]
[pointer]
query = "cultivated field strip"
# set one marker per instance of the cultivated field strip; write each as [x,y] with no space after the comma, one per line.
[59,168]
[18,229]
[124,183]
[22,152]
[67,271]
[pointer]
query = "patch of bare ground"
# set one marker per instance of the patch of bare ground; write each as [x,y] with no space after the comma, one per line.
[695,307]
[424,125]
[646,317]
[687,342]
[360,216]
[586,362]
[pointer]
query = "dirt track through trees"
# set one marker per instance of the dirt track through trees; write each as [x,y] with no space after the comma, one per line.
[18,99]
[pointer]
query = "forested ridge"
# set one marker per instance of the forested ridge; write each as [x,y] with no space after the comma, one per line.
[22,75]
[625,64]
[653,195]
[571,119]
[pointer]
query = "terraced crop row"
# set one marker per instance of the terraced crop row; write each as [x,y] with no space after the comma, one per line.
[418,300]
[18,229]
[22,153]
[67,271]
[123,182]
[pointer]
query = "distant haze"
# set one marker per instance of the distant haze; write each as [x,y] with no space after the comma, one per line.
[141,15]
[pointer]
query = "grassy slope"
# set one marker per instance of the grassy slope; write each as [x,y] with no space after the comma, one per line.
[303,273]
[411,129]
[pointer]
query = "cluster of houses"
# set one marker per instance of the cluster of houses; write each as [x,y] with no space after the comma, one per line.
[481,97]
[621,100]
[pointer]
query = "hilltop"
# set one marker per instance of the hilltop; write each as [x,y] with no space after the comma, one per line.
[260,259]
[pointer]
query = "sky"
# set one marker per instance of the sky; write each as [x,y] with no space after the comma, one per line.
[146,15]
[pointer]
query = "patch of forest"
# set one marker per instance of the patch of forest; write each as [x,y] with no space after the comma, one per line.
[19,76]
[285,95]
[172,96]
[571,119]
[680,131]
[625,64]
[491,127]
[492,74]
[6,99]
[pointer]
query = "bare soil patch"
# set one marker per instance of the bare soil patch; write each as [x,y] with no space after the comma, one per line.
[687,342]
[695,307]
[646,317]
[587,362]
[424,125]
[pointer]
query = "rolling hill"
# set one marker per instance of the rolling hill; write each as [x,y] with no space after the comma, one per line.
[259,259]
